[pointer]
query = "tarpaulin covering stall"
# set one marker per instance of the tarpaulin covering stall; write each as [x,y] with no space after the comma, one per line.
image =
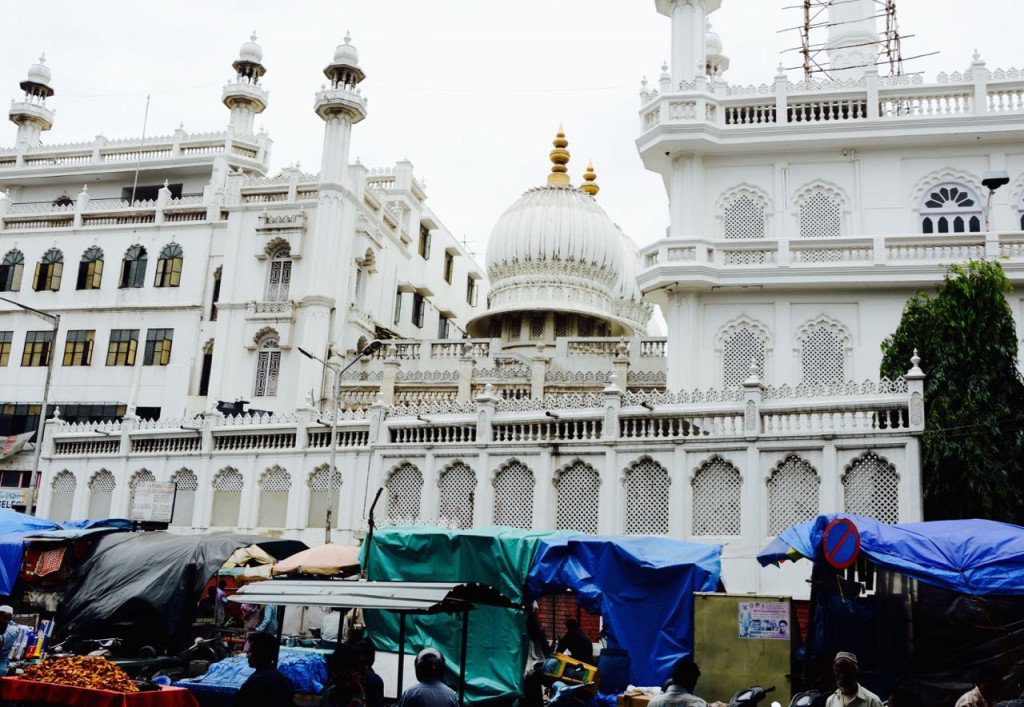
[498,557]
[145,586]
[15,527]
[944,598]
[642,587]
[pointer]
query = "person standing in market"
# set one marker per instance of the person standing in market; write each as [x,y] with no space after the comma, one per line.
[268,686]
[8,635]
[576,642]
[430,691]
[986,689]
[685,674]
[849,692]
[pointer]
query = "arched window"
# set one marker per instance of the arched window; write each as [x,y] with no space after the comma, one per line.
[792,494]
[950,208]
[64,486]
[319,491]
[744,214]
[227,497]
[10,271]
[513,496]
[48,271]
[871,488]
[405,486]
[742,343]
[90,270]
[168,267]
[133,268]
[458,490]
[647,499]
[274,487]
[101,493]
[280,275]
[186,484]
[823,345]
[268,366]
[577,504]
[142,476]
[717,488]
[820,213]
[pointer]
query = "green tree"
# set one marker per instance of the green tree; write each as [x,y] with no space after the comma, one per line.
[973,456]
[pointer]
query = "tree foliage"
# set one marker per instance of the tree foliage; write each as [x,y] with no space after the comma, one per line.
[973,455]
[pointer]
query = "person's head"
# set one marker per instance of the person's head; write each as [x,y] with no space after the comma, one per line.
[572,624]
[846,671]
[988,680]
[263,649]
[686,673]
[347,665]
[429,665]
[783,626]
[369,651]
[6,614]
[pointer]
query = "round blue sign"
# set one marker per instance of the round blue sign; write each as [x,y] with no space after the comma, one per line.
[841,543]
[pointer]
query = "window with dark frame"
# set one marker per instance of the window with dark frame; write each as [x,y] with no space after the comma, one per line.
[168,266]
[449,267]
[133,268]
[123,345]
[49,271]
[424,244]
[398,307]
[78,348]
[417,309]
[471,291]
[90,270]
[442,327]
[10,271]
[216,294]
[204,376]
[37,348]
[158,347]
[6,337]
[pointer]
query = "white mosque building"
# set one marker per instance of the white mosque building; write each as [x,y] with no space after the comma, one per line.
[802,216]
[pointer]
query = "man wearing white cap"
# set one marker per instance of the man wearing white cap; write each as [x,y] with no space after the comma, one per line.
[8,635]
[849,692]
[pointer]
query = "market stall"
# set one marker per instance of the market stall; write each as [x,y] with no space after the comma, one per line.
[14,691]
[923,605]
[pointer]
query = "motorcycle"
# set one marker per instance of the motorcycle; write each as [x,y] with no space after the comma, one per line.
[750,696]
[811,698]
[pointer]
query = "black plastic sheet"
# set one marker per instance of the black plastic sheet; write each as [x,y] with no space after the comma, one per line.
[144,587]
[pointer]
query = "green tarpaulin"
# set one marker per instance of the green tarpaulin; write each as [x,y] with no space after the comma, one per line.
[500,557]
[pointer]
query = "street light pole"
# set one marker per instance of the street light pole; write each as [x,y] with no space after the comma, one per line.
[54,320]
[332,464]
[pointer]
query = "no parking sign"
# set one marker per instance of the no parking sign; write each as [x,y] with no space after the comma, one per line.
[841,543]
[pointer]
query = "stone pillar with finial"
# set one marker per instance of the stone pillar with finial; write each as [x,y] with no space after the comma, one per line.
[486,403]
[612,395]
[911,483]
[391,366]
[753,394]
[467,364]
[621,363]
[915,390]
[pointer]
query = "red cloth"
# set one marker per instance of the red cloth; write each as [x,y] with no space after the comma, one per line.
[31,691]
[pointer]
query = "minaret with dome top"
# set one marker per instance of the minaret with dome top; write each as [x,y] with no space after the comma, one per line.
[340,105]
[244,96]
[31,115]
[689,36]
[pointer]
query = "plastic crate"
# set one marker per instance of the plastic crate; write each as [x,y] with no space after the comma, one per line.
[563,668]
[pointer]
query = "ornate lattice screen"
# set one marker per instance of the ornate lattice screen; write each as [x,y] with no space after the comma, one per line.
[741,348]
[513,496]
[578,499]
[186,480]
[61,505]
[821,216]
[273,506]
[185,496]
[102,482]
[404,487]
[823,356]
[647,485]
[743,218]
[275,479]
[318,482]
[229,480]
[717,488]
[458,488]
[871,489]
[65,482]
[792,494]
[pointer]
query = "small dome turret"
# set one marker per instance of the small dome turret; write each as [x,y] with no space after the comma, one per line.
[249,65]
[38,81]
[251,51]
[344,70]
[717,62]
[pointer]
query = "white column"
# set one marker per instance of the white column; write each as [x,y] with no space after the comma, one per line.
[831,488]
[612,510]
[679,521]
[543,492]
[334,159]
[852,38]
[688,40]
[429,497]
[483,497]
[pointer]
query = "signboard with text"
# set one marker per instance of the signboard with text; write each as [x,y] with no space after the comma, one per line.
[9,498]
[153,502]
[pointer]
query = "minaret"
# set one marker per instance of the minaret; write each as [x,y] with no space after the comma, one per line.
[852,38]
[689,50]
[31,115]
[340,106]
[244,96]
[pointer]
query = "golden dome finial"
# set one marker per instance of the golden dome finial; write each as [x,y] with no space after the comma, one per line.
[559,159]
[589,185]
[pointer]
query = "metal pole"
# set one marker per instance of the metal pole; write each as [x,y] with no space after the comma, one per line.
[37,452]
[334,454]
[462,660]
[401,654]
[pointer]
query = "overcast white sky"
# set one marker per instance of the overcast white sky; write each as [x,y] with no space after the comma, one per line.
[471,91]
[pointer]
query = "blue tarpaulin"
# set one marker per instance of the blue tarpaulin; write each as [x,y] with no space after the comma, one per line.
[15,527]
[642,587]
[966,556]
